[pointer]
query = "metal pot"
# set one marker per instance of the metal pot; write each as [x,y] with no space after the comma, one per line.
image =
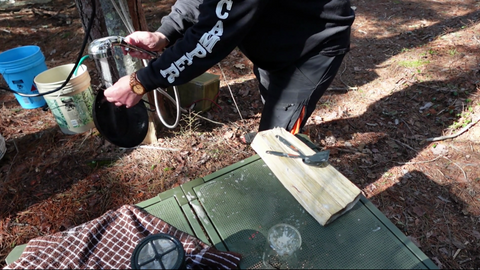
[119,125]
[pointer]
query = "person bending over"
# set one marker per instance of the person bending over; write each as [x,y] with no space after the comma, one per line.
[296,47]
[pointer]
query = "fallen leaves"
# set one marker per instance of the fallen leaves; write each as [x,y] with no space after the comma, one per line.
[419,211]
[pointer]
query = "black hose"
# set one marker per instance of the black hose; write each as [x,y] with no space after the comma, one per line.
[84,44]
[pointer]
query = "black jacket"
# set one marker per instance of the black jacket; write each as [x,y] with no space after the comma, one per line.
[271,33]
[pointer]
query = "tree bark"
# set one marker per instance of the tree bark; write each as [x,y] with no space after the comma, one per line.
[99,29]
[140,24]
[138,16]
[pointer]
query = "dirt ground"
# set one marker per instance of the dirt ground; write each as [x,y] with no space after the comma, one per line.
[399,121]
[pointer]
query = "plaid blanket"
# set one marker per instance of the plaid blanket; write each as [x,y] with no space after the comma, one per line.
[108,242]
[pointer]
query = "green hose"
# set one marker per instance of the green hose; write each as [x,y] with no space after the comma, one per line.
[79,64]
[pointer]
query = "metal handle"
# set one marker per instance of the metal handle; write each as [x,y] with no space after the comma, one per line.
[129,46]
[291,146]
[103,47]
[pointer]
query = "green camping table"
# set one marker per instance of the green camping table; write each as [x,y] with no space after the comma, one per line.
[232,209]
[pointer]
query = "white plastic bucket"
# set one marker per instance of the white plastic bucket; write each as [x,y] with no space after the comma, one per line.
[18,67]
[72,105]
[3,147]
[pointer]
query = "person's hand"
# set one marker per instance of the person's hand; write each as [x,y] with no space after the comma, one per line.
[150,41]
[121,93]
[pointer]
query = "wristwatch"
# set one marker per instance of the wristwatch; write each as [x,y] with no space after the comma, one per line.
[135,84]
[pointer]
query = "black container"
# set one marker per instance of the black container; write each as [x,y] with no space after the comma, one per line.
[119,125]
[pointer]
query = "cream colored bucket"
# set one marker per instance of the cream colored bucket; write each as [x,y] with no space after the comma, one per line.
[72,105]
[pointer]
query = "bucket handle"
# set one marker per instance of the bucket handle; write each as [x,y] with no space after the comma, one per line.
[144,101]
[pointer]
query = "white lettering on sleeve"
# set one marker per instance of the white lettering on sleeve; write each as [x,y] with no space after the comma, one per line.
[208,40]
[204,46]
[228,6]
[170,73]
[180,63]
[198,52]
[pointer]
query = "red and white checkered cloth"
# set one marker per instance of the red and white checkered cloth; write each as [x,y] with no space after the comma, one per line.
[108,242]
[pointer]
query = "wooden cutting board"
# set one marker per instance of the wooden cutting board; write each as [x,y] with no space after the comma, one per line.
[323,191]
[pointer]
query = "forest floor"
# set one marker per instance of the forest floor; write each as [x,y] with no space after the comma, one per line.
[399,121]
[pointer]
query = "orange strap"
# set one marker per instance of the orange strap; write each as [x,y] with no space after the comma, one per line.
[296,127]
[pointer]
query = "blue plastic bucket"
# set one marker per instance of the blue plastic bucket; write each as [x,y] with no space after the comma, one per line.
[19,66]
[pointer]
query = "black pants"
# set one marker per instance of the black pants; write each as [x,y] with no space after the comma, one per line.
[288,91]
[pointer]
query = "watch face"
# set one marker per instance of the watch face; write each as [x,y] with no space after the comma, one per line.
[137,89]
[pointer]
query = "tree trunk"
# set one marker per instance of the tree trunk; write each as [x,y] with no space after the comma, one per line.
[99,29]
[140,24]
[138,17]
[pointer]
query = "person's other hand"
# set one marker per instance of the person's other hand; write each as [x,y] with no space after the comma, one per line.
[121,93]
[151,41]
